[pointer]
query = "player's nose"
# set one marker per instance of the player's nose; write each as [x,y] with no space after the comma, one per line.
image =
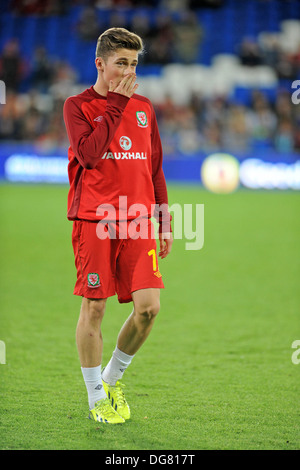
[129,69]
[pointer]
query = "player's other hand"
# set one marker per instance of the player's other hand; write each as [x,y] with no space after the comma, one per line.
[126,86]
[165,244]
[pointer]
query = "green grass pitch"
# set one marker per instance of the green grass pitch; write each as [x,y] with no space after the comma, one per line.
[216,371]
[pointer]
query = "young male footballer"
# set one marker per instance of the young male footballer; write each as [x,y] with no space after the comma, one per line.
[116,182]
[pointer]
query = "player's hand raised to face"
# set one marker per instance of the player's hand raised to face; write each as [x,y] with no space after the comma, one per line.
[126,86]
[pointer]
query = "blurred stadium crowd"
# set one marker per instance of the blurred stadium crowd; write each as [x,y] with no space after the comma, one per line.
[201,122]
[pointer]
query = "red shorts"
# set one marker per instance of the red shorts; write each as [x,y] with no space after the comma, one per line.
[110,266]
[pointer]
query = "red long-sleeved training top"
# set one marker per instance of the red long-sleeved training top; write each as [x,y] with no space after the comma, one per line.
[115,150]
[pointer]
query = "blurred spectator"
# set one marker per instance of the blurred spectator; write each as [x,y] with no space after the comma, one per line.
[283,105]
[33,124]
[284,136]
[122,3]
[187,38]
[140,24]
[29,7]
[63,78]
[235,131]
[11,118]
[39,7]
[167,113]
[212,137]
[88,26]
[175,5]
[103,4]
[42,70]
[215,110]
[11,65]
[261,120]
[159,41]
[146,3]
[295,60]
[54,134]
[194,4]
[250,53]
[270,49]
[189,138]
[297,139]
[286,67]
[197,103]
[117,19]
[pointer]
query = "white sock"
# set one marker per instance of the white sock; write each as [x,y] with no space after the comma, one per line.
[94,386]
[116,367]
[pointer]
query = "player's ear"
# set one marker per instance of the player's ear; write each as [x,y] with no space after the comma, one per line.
[99,64]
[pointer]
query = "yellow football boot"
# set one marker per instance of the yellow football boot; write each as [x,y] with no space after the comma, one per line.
[104,413]
[117,398]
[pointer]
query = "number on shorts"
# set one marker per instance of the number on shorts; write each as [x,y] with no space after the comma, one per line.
[153,254]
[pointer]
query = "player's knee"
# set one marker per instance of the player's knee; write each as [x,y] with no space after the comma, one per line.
[94,309]
[148,312]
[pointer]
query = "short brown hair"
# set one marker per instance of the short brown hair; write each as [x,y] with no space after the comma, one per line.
[117,38]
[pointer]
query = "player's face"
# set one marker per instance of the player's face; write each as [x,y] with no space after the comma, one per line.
[118,64]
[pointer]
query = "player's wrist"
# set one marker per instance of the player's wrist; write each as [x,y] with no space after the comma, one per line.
[117,99]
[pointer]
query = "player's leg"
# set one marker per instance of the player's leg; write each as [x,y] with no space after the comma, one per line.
[89,345]
[88,333]
[94,284]
[133,334]
[139,324]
